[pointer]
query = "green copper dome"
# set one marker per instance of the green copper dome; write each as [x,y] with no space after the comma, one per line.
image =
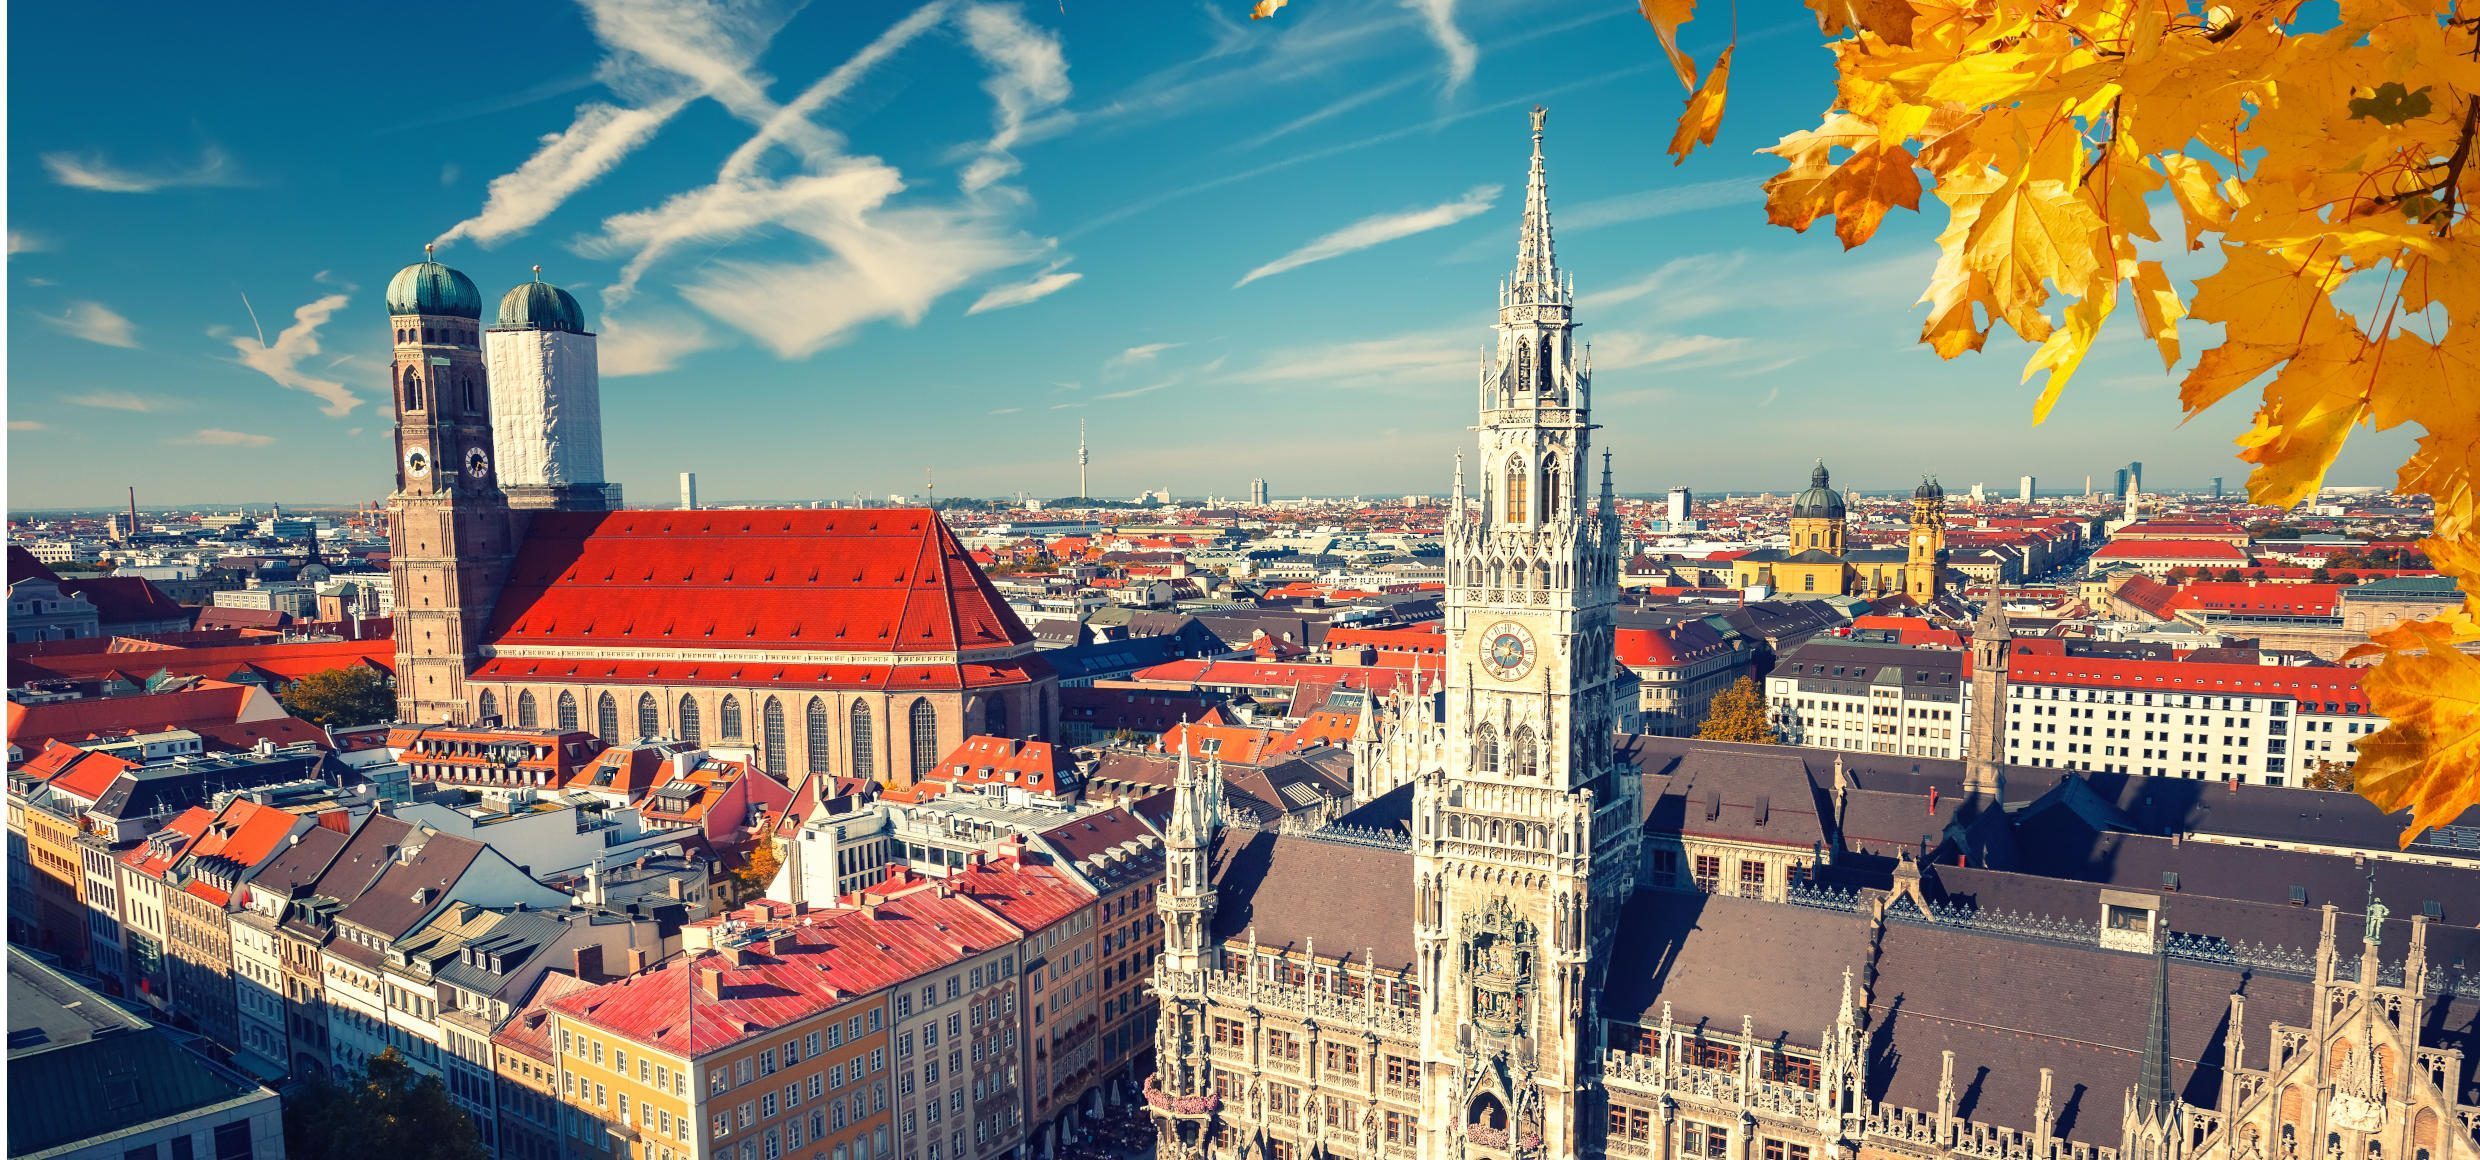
[1928,489]
[1819,502]
[539,305]
[426,287]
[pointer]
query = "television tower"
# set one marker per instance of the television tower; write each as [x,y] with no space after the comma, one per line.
[1081,459]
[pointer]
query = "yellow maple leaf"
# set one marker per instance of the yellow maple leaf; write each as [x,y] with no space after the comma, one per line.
[2309,409]
[2066,347]
[1667,17]
[2428,760]
[2270,304]
[1890,20]
[2029,233]
[1266,8]
[2157,304]
[2196,186]
[1704,114]
[1876,177]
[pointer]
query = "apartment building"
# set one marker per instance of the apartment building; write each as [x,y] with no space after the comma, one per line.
[1871,698]
[1118,854]
[2261,724]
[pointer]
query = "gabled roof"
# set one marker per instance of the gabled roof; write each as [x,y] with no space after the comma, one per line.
[126,600]
[1292,890]
[873,580]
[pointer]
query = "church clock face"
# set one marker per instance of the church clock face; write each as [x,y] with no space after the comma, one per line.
[1507,650]
[477,463]
[417,463]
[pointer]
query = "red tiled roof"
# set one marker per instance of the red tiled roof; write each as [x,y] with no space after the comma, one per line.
[1648,646]
[2151,596]
[1031,897]
[1254,675]
[2313,684]
[245,832]
[2171,550]
[89,774]
[794,966]
[872,580]
[2274,599]
[126,599]
[160,853]
[288,660]
[901,678]
[213,704]
[981,760]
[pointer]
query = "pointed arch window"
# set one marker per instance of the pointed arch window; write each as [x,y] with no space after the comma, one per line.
[607,719]
[859,734]
[924,728]
[1553,495]
[413,390]
[1545,364]
[526,710]
[1518,498]
[729,717]
[473,397]
[486,706]
[1524,366]
[1526,755]
[814,737]
[771,726]
[690,730]
[1485,749]
[995,718]
[649,719]
[566,710]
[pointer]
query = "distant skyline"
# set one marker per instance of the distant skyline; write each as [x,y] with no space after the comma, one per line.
[832,249]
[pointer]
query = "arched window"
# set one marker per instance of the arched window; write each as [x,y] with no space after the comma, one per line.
[1545,363]
[413,390]
[649,721]
[815,739]
[862,742]
[473,398]
[1527,755]
[771,724]
[607,719]
[486,706]
[1485,749]
[567,710]
[526,718]
[1524,367]
[1552,494]
[994,718]
[1515,491]
[730,717]
[924,727]
[689,730]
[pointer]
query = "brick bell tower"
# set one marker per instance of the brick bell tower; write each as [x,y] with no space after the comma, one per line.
[451,532]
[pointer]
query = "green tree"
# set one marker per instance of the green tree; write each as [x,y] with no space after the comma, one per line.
[349,696]
[390,1110]
[1738,714]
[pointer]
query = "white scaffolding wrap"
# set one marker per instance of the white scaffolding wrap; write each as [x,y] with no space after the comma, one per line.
[546,408]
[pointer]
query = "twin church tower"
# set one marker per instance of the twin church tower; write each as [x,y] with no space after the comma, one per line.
[491,425]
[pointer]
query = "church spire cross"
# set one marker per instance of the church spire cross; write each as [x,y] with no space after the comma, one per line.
[1536,277]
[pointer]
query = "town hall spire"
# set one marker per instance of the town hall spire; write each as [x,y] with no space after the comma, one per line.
[1536,277]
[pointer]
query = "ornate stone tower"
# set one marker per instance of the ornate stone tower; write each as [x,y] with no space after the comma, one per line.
[450,533]
[546,402]
[1817,516]
[1993,638]
[1924,565]
[1525,844]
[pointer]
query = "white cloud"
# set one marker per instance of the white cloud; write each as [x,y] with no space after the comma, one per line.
[24,425]
[96,323]
[1656,203]
[1694,273]
[119,401]
[1429,359]
[893,265]
[1438,18]
[282,359]
[648,346]
[1043,285]
[1134,356]
[91,170]
[1626,349]
[568,161]
[21,242]
[1133,392]
[1028,76]
[221,437]
[1007,410]
[1378,230]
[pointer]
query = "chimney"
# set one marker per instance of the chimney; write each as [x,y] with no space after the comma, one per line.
[637,960]
[711,982]
[589,963]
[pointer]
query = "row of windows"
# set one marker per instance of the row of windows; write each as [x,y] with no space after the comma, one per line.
[922,719]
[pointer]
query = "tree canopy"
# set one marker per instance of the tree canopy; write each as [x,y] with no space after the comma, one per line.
[347,696]
[1738,714]
[390,1110]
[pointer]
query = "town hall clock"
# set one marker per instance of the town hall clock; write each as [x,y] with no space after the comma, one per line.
[1507,651]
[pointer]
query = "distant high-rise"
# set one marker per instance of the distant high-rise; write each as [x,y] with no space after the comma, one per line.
[2217,487]
[2023,490]
[1081,491]
[2118,482]
[1682,503]
[688,491]
[2135,473]
[1257,493]
[1980,492]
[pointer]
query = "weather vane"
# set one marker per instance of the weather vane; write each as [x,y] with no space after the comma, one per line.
[1539,115]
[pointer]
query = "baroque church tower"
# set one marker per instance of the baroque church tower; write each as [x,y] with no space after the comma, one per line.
[1525,843]
[450,532]
[1924,563]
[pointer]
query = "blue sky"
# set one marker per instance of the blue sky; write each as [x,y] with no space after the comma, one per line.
[832,249]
